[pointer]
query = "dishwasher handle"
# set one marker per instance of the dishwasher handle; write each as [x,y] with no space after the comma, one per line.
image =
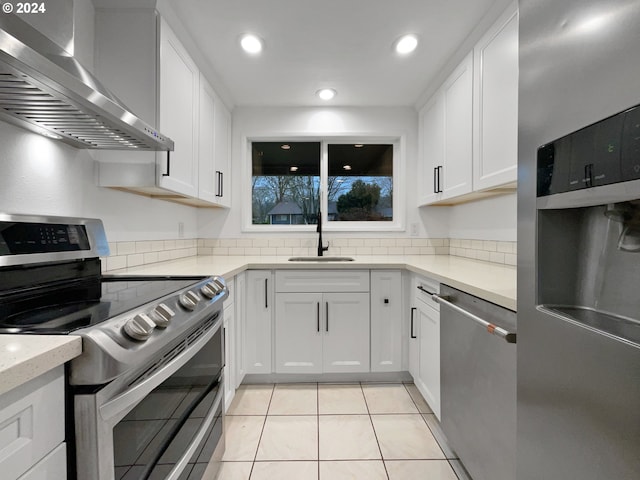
[509,337]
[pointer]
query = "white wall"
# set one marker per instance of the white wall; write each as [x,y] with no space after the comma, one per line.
[493,218]
[251,122]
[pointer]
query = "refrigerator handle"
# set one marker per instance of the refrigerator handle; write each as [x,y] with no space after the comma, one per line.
[509,337]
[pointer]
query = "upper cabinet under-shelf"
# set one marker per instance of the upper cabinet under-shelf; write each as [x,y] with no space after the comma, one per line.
[163,82]
[469,127]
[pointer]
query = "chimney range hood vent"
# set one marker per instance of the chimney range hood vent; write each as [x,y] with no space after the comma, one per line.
[46,90]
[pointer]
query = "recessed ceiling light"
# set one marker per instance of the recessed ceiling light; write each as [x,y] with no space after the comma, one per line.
[293,168]
[406,44]
[251,43]
[285,147]
[358,145]
[326,93]
[347,167]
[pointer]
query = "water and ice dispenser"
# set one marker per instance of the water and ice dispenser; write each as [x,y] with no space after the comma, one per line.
[588,226]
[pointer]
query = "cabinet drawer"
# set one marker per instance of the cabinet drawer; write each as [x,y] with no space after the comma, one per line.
[318,281]
[53,466]
[420,284]
[31,422]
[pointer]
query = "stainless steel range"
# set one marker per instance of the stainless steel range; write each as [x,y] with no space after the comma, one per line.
[145,395]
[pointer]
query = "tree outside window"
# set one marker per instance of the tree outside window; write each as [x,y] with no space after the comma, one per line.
[286,182]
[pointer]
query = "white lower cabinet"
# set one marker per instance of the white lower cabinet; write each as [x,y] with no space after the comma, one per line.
[230,334]
[239,365]
[386,320]
[322,332]
[258,318]
[424,346]
[32,429]
[322,321]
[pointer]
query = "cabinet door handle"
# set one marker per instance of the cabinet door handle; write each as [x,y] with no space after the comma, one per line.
[413,309]
[221,184]
[439,173]
[266,293]
[318,317]
[218,184]
[168,172]
[435,179]
[326,306]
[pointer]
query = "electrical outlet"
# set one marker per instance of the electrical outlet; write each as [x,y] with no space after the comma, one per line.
[414,229]
[180,229]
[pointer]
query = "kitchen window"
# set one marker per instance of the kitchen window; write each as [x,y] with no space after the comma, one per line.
[351,183]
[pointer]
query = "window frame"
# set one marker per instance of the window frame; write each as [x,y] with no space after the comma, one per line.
[399,184]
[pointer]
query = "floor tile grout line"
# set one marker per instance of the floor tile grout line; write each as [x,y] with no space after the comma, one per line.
[384,465]
[427,423]
[255,456]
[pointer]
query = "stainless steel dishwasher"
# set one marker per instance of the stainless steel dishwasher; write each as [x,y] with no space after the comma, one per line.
[478,383]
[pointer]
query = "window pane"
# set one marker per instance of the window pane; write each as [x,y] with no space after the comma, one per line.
[285,182]
[360,183]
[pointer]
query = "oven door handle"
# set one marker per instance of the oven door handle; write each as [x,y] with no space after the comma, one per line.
[116,409]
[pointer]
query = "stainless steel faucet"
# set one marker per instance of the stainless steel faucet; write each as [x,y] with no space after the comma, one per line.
[321,248]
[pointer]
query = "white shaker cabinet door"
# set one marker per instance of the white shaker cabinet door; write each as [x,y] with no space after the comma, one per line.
[496,104]
[298,333]
[431,151]
[178,112]
[429,370]
[386,321]
[258,321]
[346,332]
[456,175]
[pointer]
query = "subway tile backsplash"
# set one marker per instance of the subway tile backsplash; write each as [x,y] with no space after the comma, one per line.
[131,254]
[337,246]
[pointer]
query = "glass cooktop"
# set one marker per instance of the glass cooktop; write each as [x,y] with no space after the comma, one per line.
[61,311]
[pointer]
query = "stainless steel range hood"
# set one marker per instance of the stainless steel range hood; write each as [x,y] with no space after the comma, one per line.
[46,90]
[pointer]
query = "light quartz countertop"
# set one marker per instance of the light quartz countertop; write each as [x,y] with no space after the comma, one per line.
[23,357]
[490,281]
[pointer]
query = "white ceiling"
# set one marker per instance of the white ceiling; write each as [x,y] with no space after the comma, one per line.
[341,44]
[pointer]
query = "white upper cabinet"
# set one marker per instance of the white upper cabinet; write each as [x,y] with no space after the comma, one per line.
[469,128]
[165,87]
[222,157]
[496,104]
[179,80]
[431,149]
[455,176]
[446,130]
[214,152]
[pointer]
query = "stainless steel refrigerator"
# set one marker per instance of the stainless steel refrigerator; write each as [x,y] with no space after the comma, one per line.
[579,240]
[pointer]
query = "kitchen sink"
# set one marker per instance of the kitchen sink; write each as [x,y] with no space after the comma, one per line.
[321,259]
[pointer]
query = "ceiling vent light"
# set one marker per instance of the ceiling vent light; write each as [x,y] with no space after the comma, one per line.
[251,44]
[406,44]
[326,93]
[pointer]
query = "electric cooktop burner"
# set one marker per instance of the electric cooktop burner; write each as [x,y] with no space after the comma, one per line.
[81,306]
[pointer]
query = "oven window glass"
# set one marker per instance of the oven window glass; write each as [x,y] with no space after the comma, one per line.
[157,433]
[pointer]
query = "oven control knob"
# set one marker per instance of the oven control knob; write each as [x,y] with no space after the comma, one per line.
[189,300]
[209,290]
[162,315]
[139,327]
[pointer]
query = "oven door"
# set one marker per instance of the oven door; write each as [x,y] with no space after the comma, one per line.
[166,425]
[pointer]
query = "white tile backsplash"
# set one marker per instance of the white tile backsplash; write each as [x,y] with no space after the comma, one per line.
[130,254]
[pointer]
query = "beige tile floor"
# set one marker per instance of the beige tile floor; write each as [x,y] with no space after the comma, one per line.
[333,432]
